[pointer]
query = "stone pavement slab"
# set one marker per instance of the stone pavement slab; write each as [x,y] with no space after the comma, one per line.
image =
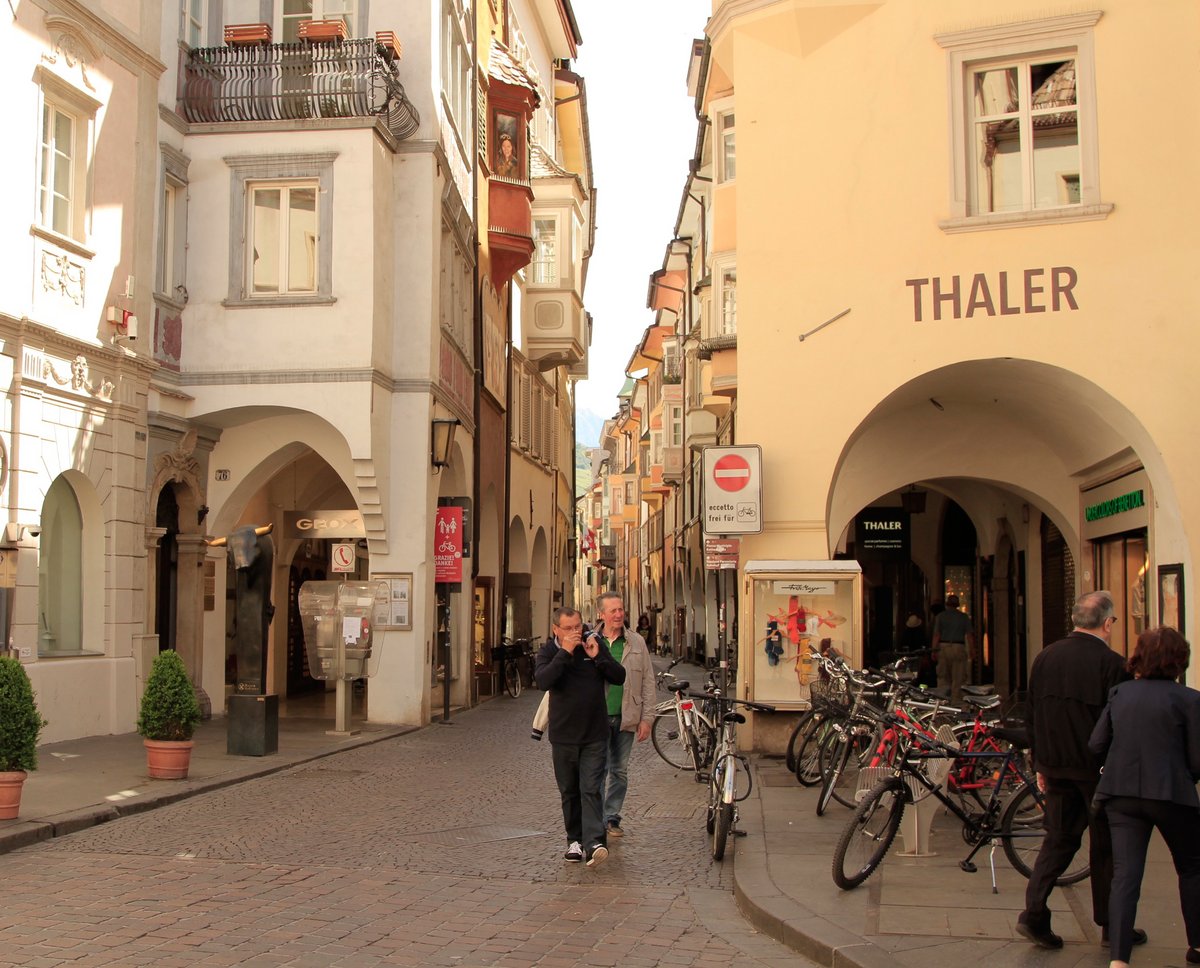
[439,847]
[917,911]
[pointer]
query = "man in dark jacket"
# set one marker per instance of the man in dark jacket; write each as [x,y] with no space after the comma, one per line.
[1068,687]
[575,671]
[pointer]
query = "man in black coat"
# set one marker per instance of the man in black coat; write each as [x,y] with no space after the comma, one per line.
[575,672]
[1068,687]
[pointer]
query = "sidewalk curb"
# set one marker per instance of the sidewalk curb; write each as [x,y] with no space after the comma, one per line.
[31,831]
[781,917]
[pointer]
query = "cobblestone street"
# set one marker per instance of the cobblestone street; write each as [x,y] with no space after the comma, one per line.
[441,847]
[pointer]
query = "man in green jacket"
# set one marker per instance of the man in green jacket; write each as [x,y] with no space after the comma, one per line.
[630,706]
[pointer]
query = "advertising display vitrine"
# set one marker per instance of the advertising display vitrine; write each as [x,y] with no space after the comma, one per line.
[794,609]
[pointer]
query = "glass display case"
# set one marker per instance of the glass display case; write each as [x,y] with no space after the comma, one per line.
[798,608]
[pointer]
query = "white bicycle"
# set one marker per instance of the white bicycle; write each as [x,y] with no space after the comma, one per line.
[683,734]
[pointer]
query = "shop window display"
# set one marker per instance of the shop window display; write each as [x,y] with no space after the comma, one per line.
[796,613]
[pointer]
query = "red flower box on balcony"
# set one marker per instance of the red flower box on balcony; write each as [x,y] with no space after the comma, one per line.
[323,31]
[391,45]
[243,34]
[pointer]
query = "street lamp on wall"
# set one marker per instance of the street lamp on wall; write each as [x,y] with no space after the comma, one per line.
[442,441]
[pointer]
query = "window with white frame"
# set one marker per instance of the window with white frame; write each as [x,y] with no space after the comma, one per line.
[675,425]
[726,146]
[57,191]
[292,13]
[191,22]
[727,296]
[670,365]
[282,238]
[616,500]
[284,204]
[456,65]
[1023,110]
[65,131]
[544,271]
[170,280]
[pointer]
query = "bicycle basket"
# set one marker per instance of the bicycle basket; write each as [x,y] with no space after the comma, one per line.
[829,695]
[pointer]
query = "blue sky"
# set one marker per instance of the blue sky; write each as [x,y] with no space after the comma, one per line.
[634,59]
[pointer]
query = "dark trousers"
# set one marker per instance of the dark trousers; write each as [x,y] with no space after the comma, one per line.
[1131,820]
[579,770]
[1068,814]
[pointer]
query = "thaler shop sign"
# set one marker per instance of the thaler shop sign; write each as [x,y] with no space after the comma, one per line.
[1004,294]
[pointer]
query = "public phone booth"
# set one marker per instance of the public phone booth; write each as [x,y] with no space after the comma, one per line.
[339,619]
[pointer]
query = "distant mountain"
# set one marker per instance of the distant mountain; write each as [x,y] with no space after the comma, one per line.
[588,425]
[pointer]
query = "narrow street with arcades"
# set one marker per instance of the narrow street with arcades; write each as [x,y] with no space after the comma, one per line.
[440,847]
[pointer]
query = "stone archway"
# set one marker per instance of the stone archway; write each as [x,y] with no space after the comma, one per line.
[1009,441]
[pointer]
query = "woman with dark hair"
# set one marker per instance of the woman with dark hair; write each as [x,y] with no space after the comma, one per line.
[1149,734]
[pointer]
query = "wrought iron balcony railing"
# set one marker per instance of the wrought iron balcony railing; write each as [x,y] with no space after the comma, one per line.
[295,82]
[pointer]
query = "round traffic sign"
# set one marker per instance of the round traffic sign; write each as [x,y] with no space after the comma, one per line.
[731,472]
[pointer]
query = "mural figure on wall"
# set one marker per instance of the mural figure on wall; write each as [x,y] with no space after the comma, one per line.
[251,553]
[508,162]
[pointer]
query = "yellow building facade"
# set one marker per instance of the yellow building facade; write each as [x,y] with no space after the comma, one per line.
[942,280]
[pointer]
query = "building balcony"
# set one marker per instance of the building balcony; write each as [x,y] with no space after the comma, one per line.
[255,83]
[555,331]
[510,228]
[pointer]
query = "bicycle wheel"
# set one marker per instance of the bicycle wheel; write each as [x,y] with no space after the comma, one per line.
[723,822]
[801,726]
[714,803]
[808,753]
[835,753]
[868,835]
[1021,829]
[668,742]
[845,788]
[512,679]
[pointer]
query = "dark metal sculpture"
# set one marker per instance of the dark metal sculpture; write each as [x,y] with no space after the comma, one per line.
[252,554]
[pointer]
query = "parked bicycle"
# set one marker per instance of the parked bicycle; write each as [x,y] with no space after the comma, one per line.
[516,663]
[1011,820]
[725,790]
[683,733]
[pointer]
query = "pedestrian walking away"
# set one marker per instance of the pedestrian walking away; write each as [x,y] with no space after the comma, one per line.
[1069,684]
[575,671]
[953,636]
[630,706]
[1149,736]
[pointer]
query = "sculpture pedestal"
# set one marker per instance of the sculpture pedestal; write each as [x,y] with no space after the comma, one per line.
[253,725]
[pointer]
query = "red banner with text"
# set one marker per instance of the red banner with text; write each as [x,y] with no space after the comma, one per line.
[448,545]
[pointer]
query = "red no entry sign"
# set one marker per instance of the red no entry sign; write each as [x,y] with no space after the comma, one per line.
[731,472]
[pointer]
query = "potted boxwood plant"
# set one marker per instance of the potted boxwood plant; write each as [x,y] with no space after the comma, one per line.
[20,726]
[168,718]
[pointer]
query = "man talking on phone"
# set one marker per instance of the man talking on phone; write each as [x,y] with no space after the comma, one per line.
[575,671]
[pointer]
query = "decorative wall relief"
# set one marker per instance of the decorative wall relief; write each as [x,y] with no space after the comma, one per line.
[69,39]
[61,275]
[79,379]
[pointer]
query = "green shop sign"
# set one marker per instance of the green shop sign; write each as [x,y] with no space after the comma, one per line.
[1116,505]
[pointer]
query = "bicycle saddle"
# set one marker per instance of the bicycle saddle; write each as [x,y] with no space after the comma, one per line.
[1011,734]
[978,690]
[982,702]
[733,718]
[679,685]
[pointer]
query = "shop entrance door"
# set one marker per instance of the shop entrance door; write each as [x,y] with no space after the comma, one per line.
[1122,563]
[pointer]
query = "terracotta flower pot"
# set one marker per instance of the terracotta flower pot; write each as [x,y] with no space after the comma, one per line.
[167,759]
[10,793]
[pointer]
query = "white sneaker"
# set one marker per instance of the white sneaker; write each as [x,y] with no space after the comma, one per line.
[599,856]
[574,853]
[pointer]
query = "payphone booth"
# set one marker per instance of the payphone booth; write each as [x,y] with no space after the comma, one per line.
[339,618]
